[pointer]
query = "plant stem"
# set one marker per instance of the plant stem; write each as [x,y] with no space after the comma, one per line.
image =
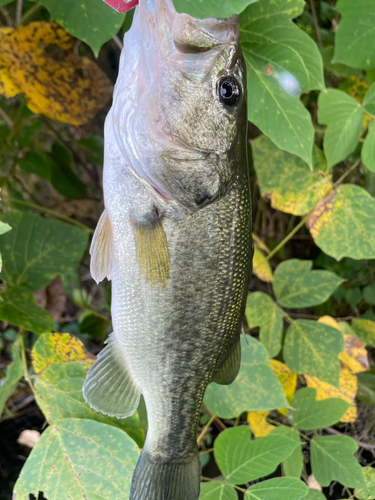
[287,238]
[205,429]
[4,12]
[30,13]
[19,12]
[349,171]
[316,23]
[203,452]
[52,212]
[24,359]
[8,121]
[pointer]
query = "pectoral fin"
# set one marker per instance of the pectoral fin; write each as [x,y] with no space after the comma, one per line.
[109,386]
[230,368]
[152,248]
[101,249]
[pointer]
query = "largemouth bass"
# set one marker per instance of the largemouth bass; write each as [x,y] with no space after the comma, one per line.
[175,236]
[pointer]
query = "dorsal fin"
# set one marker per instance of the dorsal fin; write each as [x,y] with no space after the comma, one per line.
[152,248]
[101,249]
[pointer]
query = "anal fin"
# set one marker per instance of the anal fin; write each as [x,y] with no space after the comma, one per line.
[109,386]
[101,249]
[231,366]
[152,248]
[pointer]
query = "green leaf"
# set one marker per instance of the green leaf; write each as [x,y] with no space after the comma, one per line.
[5,2]
[4,228]
[13,374]
[311,414]
[312,347]
[217,491]
[61,364]
[367,493]
[355,36]
[282,61]
[344,117]
[241,459]
[63,179]
[369,293]
[92,21]
[78,459]
[212,8]
[34,163]
[369,100]
[332,460]
[366,388]
[296,285]
[314,495]
[93,324]
[293,465]
[337,69]
[256,387]
[364,329]
[343,224]
[19,308]
[286,180]
[277,488]
[368,149]
[39,249]
[262,311]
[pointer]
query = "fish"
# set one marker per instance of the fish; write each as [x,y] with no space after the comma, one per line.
[175,235]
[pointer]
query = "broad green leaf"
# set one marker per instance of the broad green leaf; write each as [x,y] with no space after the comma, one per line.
[217,491]
[366,388]
[332,460]
[63,179]
[277,488]
[344,117]
[241,459]
[367,493]
[34,163]
[4,228]
[293,465]
[369,293]
[282,61]
[369,100]
[286,180]
[311,414]
[39,249]
[312,347]
[5,2]
[61,364]
[19,308]
[256,387]
[314,495]
[93,22]
[364,329]
[368,149]
[13,374]
[262,311]
[337,69]
[296,285]
[355,36]
[343,224]
[212,8]
[79,459]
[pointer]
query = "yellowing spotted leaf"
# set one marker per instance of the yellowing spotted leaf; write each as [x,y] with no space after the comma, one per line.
[39,58]
[261,266]
[260,244]
[8,87]
[288,380]
[328,320]
[258,423]
[347,392]
[59,348]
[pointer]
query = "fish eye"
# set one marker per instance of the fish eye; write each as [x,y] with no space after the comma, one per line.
[229,90]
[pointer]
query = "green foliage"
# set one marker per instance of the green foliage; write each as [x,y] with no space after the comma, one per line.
[311,92]
[79,458]
[246,393]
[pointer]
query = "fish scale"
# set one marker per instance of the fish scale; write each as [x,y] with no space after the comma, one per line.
[175,237]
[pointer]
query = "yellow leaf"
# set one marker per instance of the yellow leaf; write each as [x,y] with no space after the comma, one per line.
[347,392]
[8,87]
[261,266]
[260,244]
[288,380]
[355,354]
[56,82]
[258,423]
[59,348]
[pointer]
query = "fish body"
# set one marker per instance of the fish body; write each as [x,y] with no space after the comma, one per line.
[175,236]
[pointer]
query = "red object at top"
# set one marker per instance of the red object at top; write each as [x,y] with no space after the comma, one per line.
[121,5]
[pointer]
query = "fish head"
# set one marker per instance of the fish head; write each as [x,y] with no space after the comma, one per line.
[179,111]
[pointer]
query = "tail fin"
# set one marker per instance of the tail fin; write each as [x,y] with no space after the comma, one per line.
[155,480]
